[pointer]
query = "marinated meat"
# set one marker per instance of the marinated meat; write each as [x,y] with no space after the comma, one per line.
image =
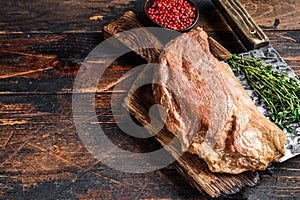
[209,110]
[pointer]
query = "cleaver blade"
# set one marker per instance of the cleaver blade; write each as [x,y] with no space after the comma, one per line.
[257,44]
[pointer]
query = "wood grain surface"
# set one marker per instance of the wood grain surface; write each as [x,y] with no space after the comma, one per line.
[42,46]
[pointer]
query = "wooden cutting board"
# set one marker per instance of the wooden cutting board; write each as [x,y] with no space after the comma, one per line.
[190,166]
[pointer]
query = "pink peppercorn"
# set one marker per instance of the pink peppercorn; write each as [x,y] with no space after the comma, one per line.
[173,14]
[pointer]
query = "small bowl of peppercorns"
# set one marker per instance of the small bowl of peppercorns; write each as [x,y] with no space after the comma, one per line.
[178,15]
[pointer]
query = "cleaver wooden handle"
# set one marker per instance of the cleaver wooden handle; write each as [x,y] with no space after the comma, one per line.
[237,17]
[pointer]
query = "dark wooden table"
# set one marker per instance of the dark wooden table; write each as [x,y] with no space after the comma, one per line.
[43,44]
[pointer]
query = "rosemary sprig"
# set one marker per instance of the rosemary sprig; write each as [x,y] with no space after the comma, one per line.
[280,92]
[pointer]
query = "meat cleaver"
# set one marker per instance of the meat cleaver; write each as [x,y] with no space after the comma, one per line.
[256,41]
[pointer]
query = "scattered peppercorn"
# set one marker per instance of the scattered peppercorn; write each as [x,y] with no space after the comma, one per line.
[172,14]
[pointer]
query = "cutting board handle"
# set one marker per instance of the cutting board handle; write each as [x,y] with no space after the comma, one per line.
[250,34]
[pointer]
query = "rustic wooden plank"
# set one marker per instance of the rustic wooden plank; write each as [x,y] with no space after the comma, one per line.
[36,52]
[58,16]
[281,184]
[56,163]
[268,14]
[86,16]
[274,14]
[38,142]
[75,47]
[42,156]
[49,62]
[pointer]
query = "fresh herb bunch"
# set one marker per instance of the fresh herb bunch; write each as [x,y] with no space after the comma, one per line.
[280,92]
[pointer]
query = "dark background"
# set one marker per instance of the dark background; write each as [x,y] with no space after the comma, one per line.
[42,45]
